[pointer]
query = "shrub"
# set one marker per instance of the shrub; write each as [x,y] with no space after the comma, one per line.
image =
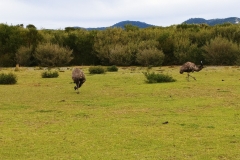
[157,78]
[148,57]
[221,51]
[23,56]
[96,70]
[120,55]
[53,55]
[112,68]
[9,78]
[50,74]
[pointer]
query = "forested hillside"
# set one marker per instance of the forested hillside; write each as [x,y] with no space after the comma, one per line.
[121,25]
[131,45]
[212,22]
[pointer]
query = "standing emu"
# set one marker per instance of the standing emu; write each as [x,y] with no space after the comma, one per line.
[190,67]
[78,78]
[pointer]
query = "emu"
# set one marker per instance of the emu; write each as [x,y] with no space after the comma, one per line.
[190,67]
[78,78]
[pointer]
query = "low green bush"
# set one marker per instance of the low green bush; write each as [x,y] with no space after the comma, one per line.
[158,78]
[96,70]
[112,68]
[9,78]
[50,74]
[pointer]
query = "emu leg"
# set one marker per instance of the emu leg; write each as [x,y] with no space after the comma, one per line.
[188,77]
[191,76]
[78,86]
[75,88]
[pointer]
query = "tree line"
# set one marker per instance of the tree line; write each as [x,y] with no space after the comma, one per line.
[153,46]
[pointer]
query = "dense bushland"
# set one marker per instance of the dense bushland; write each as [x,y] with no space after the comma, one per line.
[154,46]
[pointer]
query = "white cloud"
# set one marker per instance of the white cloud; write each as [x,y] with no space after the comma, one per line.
[102,13]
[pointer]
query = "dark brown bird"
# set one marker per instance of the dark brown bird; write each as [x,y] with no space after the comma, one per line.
[78,78]
[190,67]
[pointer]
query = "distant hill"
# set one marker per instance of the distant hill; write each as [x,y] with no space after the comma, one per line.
[134,23]
[212,22]
[122,24]
[139,24]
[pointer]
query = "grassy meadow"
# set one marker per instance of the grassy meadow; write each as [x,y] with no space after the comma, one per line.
[119,116]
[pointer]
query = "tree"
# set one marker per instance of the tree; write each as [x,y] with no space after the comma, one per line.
[33,37]
[119,56]
[23,56]
[10,40]
[81,42]
[220,51]
[166,44]
[149,57]
[105,41]
[52,55]
[184,50]
[148,54]
[129,27]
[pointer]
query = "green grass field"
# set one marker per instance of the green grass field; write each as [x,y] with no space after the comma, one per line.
[119,116]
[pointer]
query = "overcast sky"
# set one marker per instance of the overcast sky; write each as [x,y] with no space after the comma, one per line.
[58,14]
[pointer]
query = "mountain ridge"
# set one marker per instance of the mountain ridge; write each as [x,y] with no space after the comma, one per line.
[140,24]
[121,24]
[212,22]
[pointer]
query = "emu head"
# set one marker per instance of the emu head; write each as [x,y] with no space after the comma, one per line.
[202,64]
[200,67]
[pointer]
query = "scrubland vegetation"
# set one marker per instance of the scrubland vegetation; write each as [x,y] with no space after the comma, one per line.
[131,46]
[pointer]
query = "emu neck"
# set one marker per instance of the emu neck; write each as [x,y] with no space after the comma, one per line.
[199,68]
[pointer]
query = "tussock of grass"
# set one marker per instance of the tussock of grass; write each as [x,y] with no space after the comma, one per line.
[96,70]
[157,77]
[112,68]
[9,78]
[50,74]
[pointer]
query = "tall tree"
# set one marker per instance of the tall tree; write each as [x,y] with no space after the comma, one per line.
[33,38]
[10,40]
[81,42]
[105,41]
[166,44]
[23,56]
